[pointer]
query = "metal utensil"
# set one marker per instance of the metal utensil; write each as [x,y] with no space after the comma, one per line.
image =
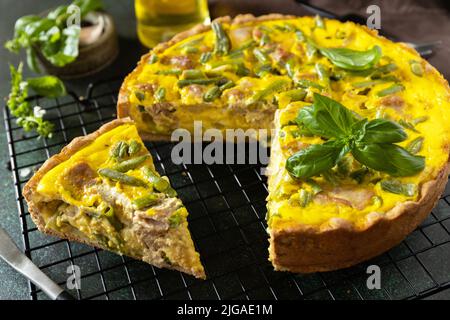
[16,259]
[424,49]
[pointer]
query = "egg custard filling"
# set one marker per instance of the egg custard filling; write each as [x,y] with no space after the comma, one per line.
[361,125]
[109,194]
[236,75]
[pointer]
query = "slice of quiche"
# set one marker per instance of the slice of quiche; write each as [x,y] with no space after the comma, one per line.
[103,190]
[362,128]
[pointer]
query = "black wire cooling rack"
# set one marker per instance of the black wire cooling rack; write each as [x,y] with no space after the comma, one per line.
[227,211]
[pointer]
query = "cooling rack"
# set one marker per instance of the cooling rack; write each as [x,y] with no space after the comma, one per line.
[227,221]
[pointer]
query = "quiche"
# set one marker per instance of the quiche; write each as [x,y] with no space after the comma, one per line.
[103,190]
[361,140]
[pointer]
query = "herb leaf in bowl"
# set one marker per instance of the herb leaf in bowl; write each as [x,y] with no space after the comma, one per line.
[50,35]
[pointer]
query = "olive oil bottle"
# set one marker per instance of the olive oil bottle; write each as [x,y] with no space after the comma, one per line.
[159,20]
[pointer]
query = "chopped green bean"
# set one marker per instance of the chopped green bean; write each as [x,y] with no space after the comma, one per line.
[395,186]
[391,90]
[160,94]
[121,177]
[203,81]
[192,74]
[416,68]
[296,94]
[146,201]
[176,72]
[134,147]
[305,197]
[212,94]
[205,57]
[415,146]
[261,56]
[223,43]
[275,87]
[153,59]
[130,164]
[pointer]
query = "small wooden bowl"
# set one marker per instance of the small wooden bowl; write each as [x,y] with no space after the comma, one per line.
[98,48]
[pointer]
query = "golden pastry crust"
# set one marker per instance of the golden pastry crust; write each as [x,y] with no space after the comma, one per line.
[337,244]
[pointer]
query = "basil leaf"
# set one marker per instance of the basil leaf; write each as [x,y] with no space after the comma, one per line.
[351,59]
[87,6]
[65,50]
[305,119]
[388,158]
[314,160]
[48,86]
[333,116]
[383,131]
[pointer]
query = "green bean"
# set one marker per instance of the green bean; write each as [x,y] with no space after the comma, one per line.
[130,164]
[415,146]
[391,90]
[212,94]
[316,188]
[305,197]
[261,56]
[111,217]
[305,83]
[273,88]
[395,186]
[320,23]
[265,39]
[227,85]
[359,175]
[160,94]
[192,74]
[205,57]
[176,72]
[189,49]
[140,95]
[300,36]
[153,59]
[323,73]
[175,219]
[121,177]
[158,183]
[236,53]
[263,70]
[119,150]
[222,44]
[408,125]
[290,66]
[146,201]
[296,94]
[377,73]
[242,70]
[134,147]
[416,68]
[203,81]
[418,120]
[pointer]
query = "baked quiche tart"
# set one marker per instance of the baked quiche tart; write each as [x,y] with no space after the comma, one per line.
[103,190]
[361,145]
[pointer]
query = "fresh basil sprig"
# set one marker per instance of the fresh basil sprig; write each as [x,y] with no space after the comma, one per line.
[370,142]
[354,60]
[28,117]
[50,35]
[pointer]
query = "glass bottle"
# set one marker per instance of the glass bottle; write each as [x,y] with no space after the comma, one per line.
[159,20]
